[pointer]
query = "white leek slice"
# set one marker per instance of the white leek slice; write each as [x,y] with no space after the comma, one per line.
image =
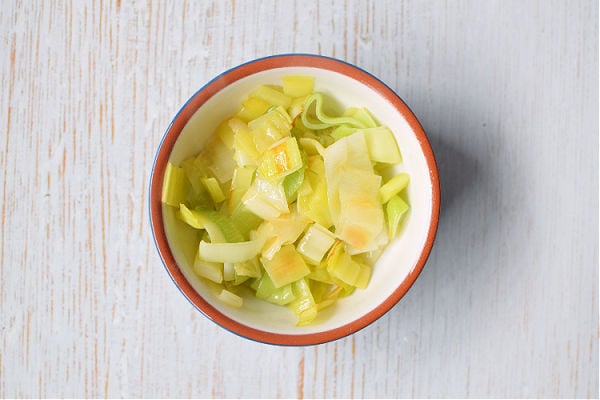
[395,209]
[315,243]
[230,298]
[210,270]
[266,199]
[285,229]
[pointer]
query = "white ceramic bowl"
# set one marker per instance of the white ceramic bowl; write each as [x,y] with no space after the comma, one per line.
[401,262]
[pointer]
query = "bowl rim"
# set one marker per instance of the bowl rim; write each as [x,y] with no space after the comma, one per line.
[170,137]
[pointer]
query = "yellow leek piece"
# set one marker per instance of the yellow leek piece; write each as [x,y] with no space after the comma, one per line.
[364,276]
[175,186]
[382,145]
[393,187]
[265,198]
[281,159]
[269,128]
[245,152]
[298,85]
[252,108]
[214,189]
[340,265]
[312,199]
[240,183]
[272,96]
[225,133]
[286,266]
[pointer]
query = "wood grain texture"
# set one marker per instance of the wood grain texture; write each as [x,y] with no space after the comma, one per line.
[507,305]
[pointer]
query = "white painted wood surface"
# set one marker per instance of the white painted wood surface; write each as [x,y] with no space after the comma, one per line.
[507,305]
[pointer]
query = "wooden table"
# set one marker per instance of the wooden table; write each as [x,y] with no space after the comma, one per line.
[507,305]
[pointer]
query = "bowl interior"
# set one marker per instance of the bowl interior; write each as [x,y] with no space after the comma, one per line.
[399,260]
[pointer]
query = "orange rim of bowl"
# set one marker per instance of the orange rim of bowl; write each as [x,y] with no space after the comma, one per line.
[168,142]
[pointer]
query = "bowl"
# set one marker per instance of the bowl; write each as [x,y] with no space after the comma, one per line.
[399,265]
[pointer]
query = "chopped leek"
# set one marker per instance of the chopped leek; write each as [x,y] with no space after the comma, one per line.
[382,145]
[230,298]
[393,187]
[315,243]
[395,209]
[240,183]
[272,96]
[287,200]
[266,290]
[209,270]
[322,120]
[252,108]
[229,252]
[175,186]
[265,198]
[298,86]
[214,189]
[286,266]
[281,159]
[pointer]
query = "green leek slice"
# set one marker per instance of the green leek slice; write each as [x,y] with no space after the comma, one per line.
[304,305]
[324,121]
[220,227]
[395,209]
[266,290]
[393,187]
[315,243]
